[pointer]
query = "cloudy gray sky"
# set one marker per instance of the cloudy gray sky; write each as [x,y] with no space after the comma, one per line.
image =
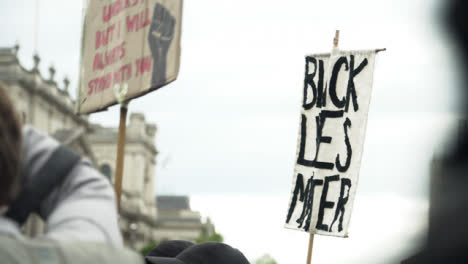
[228,126]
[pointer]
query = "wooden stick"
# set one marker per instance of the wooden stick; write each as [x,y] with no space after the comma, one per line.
[120,152]
[309,252]
[336,40]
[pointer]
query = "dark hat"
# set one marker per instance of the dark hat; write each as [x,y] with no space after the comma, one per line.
[170,249]
[206,253]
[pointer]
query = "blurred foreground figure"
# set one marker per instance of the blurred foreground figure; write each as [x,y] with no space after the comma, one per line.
[77,203]
[183,252]
[448,234]
[169,249]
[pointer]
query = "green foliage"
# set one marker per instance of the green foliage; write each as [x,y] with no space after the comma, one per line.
[148,248]
[215,237]
[265,259]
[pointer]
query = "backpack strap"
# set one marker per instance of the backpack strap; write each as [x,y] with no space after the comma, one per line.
[51,175]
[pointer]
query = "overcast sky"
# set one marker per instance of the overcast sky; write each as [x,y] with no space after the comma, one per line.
[228,126]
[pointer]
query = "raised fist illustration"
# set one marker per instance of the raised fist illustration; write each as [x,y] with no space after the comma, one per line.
[160,38]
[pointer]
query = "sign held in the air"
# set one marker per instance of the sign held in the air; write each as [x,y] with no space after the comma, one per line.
[336,97]
[135,43]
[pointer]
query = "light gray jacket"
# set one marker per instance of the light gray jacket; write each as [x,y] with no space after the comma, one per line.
[81,215]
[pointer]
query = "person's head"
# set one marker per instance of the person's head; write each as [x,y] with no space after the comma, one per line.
[205,253]
[169,249]
[10,149]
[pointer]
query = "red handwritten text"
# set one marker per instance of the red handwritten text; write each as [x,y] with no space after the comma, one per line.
[143,65]
[123,74]
[99,84]
[103,37]
[138,21]
[117,7]
[101,60]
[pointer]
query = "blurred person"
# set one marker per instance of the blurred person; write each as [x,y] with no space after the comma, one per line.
[169,249]
[447,239]
[76,202]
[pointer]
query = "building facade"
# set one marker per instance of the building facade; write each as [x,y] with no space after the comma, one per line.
[176,220]
[138,208]
[39,100]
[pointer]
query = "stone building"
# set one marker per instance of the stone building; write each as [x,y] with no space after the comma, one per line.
[39,100]
[176,220]
[138,208]
[50,108]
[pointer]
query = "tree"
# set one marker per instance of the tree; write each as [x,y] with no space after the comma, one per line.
[204,237]
[144,251]
[265,259]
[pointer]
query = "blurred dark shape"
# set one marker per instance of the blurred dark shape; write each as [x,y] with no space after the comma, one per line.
[10,149]
[447,240]
[457,25]
[206,253]
[170,249]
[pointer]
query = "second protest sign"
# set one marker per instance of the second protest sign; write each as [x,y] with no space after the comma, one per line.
[336,96]
[131,42]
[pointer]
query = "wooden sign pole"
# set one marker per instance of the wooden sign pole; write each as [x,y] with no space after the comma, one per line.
[336,40]
[309,252]
[120,152]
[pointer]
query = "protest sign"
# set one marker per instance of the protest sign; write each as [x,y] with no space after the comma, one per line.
[131,43]
[336,97]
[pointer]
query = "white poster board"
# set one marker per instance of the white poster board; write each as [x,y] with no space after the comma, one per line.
[337,92]
[132,42]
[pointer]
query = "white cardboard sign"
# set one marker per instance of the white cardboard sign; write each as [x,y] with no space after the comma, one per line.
[128,43]
[337,92]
